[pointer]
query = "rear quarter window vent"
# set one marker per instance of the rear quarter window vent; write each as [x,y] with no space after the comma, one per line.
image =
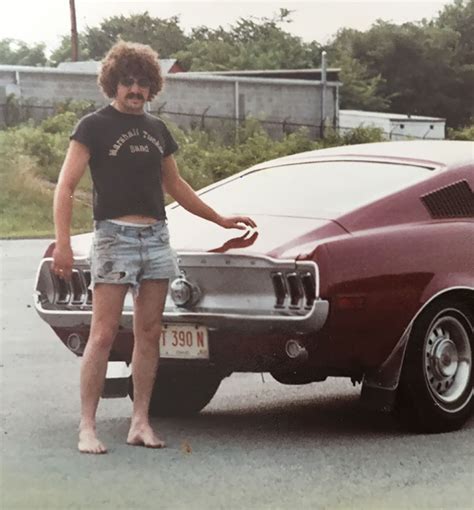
[453,201]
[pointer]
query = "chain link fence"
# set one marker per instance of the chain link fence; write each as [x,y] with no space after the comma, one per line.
[13,113]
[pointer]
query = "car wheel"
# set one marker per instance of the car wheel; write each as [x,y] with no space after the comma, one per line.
[181,392]
[436,385]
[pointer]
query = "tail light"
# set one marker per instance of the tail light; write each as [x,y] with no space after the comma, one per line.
[294,289]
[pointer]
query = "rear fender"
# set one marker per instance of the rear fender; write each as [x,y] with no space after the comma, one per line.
[380,387]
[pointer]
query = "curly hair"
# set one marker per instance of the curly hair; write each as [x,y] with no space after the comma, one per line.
[130,59]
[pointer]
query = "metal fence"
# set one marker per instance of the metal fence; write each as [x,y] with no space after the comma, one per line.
[11,115]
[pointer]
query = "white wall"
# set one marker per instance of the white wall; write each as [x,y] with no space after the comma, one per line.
[429,130]
[402,128]
[350,121]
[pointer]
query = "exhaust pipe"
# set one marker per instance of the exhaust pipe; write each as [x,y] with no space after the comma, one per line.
[296,351]
[76,343]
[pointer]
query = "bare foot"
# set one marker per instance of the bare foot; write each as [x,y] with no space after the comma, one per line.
[143,435]
[89,443]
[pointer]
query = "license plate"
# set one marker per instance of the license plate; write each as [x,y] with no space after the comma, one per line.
[184,342]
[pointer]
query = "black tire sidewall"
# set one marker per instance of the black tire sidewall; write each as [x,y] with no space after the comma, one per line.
[182,391]
[421,409]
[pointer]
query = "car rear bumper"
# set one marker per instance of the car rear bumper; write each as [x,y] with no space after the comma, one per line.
[259,294]
[306,322]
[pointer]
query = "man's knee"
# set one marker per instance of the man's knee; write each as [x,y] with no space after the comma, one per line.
[103,338]
[148,332]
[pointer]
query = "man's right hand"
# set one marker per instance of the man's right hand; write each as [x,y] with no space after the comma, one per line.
[62,261]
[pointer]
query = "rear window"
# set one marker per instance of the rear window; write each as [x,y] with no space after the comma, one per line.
[321,189]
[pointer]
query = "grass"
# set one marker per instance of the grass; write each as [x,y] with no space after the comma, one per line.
[26,202]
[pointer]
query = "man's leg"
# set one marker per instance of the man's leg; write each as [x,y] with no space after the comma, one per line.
[106,311]
[149,304]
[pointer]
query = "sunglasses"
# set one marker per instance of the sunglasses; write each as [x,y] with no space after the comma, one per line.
[129,81]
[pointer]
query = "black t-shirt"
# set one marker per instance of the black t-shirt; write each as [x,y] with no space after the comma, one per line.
[126,152]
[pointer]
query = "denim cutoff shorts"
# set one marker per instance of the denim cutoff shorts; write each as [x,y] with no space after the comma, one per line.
[123,254]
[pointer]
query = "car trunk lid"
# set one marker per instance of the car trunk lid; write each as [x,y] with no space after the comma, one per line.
[275,236]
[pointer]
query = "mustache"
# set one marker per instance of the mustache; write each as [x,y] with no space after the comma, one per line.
[132,95]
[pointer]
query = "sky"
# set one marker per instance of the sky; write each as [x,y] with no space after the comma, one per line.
[35,21]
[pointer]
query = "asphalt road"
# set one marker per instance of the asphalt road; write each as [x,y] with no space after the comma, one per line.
[258,445]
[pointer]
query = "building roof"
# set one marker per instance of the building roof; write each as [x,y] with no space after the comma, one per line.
[85,66]
[391,116]
[80,67]
[246,79]
[93,66]
[41,70]
[332,74]
[200,77]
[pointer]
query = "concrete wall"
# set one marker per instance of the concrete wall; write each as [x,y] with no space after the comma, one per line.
[188,99]
[287,104]
[37,91]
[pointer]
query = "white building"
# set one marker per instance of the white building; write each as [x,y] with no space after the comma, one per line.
[396,126]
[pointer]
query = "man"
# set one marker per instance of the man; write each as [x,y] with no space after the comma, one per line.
[130,154]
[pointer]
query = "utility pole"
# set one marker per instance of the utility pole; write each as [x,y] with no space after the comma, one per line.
[74,44]
[323,92]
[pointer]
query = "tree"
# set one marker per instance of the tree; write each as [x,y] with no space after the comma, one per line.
[163,35]
[63,52]
[459,17]
[422,68]
[15,52]
[361,89]
[254,43]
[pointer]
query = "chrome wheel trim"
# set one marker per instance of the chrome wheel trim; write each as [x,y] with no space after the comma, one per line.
[447,359]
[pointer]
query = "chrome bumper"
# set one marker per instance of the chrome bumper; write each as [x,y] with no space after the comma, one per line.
[312,321]
[64,305]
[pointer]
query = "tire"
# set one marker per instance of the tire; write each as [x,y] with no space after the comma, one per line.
[181,391]
[435,393]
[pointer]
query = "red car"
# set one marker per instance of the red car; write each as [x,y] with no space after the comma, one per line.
[362,267]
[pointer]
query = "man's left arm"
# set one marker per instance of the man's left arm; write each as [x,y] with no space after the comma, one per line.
[181,191]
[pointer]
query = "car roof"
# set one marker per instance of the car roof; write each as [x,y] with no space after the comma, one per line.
[434,153]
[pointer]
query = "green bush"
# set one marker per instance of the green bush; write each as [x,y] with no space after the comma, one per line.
[353,136]
[466,133]
[47,148]
[203,159]
[30,160]
[79,107]
[46,144]
[61,123]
